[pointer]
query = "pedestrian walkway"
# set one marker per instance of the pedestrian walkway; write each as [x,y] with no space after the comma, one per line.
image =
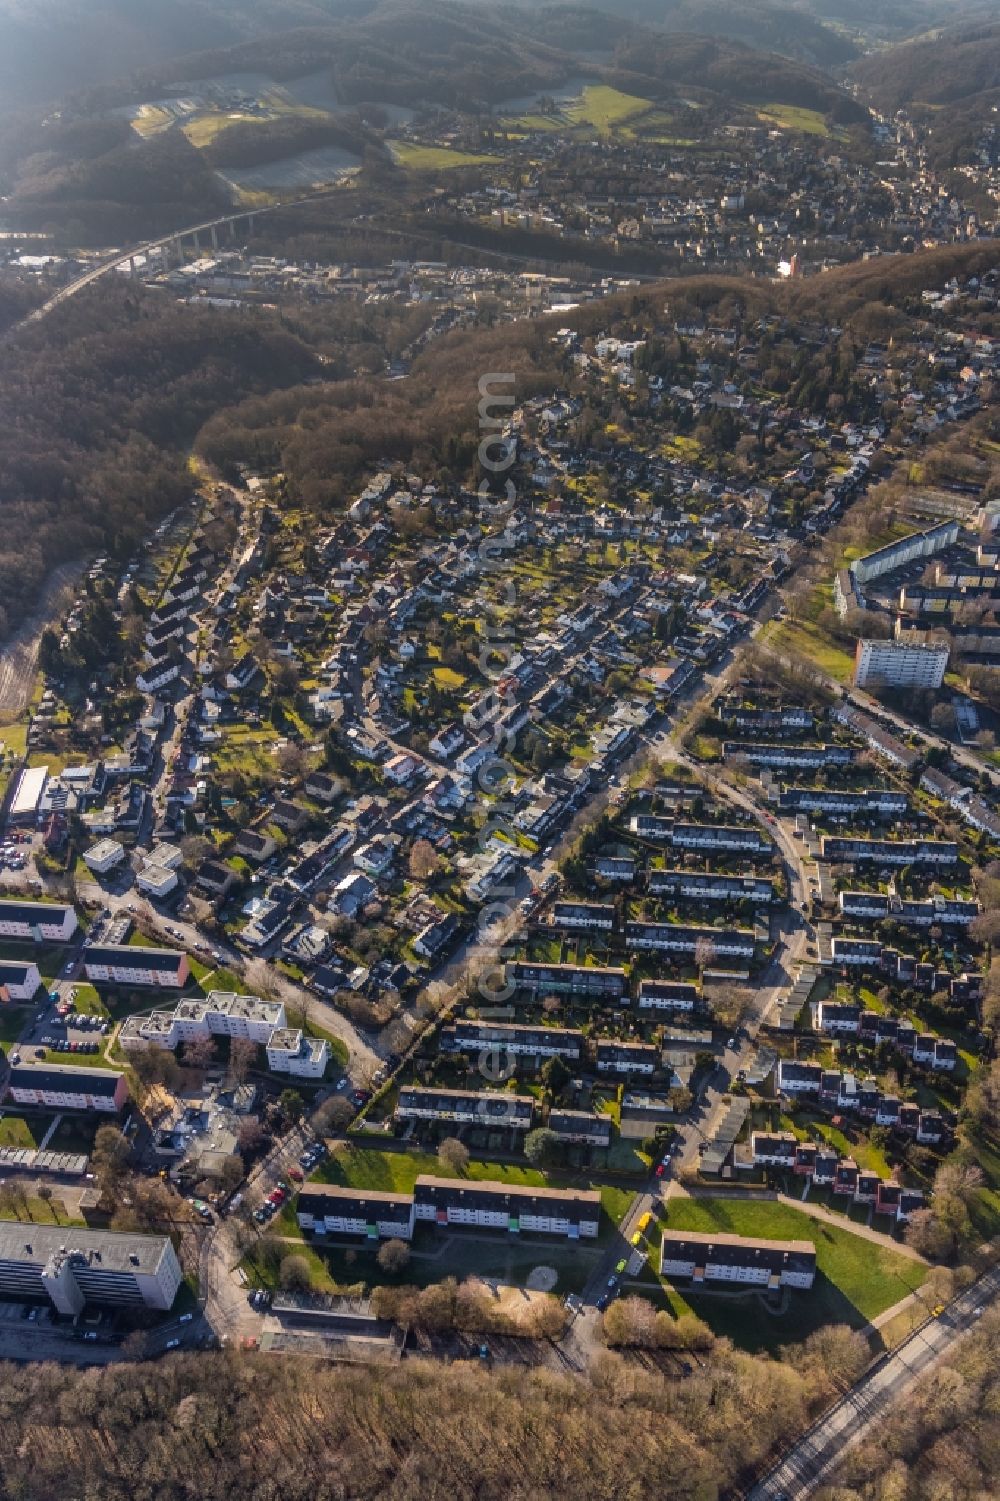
[841,1222]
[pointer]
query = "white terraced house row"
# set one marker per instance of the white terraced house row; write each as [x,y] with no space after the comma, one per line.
[328,1209]
[40,922]
[839,848]
[572,1213]
[710,886]
[583,916]
[128,964]
[672,938]
[735,1258]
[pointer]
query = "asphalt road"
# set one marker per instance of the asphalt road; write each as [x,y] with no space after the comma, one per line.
[809,1462]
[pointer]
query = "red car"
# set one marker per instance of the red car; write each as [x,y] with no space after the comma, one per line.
[659,1170]
[296,1174]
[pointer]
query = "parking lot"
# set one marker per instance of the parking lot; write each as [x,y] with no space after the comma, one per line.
[15,852]
[63,1030]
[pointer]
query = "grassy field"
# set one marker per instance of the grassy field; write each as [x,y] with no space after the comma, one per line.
[985,1208]
[857,1279]
[202,128]
[418,158]
[793,117]
[250,751]
[45,1212]
[151,119]
[76,1060]
[15,1131]
[804,638]
[604,107]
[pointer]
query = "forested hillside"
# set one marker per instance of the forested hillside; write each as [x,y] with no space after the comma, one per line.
[216,1427]
[100,405]
[946,67]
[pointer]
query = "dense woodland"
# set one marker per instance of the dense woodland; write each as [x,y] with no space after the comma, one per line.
[220,1426]
[100,405]
[935,70]
[943,1444]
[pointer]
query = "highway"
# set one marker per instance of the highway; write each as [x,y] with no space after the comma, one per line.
[809,1461]
[119,258]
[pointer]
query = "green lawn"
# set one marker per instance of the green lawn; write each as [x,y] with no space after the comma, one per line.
[985,1208]
[856,1281]
[217,979]
[604,107]
[417,158]
[87,1001]
[794,117]
[398,1171]
[45,1212]
[805,639]
[15,1131]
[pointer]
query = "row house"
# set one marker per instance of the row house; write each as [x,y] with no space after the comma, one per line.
[127,964]
[468,1036]
[328,1209]
[65,1087]
[37,922]
[672,938]
[876,738]
[668,995]
[582,981]
[574,1214]
[937,1053]
[587,917]
[792,720]
[758,753]
[734,837]
[466,1107]
[716,1258]
[840,849]
[711,886]
[158,673]
[617,868]
[885,802]
[626,1058]
[861,953]
[581,1127]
